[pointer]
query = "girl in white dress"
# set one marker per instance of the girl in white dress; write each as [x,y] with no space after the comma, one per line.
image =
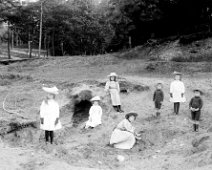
[112,86]
[95,114]
[49,114]
[124,136]
[177,92]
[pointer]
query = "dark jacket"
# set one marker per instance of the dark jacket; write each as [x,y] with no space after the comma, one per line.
[196,102]
[158,96]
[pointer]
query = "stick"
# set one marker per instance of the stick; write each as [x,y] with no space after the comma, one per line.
[10,111]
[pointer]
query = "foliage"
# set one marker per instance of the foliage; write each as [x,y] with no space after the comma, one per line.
[77,27]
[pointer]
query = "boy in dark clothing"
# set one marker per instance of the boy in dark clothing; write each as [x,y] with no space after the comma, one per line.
[195,106]
[158,98]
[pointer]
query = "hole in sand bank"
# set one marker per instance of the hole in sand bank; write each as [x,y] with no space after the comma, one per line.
[81,108]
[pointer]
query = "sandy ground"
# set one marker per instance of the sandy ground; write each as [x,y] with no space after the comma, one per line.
[166,143]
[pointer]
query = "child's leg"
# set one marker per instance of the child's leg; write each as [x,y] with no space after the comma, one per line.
[157,107]
[175,108]
[178,108]
[119,108]
[193,119]
[197,118]
[115,108]
[47,135]
[51,134]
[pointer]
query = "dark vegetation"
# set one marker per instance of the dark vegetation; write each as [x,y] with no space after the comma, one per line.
[85,27]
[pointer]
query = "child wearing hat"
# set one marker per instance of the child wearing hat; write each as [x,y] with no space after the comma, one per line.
[158,98]
[124,135]
[113,87]
[177,92]
[195,105]
[95,114]
[49,114]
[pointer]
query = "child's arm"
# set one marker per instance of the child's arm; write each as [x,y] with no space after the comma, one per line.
[118,87]
[107,86]
[183,90]
[171,90]
[162,95]
[190,103]
[154,95]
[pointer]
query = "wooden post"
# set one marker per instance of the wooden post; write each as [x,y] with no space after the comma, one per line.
[130,42]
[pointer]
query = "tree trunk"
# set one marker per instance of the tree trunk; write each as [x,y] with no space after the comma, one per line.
[45,44]
[41,28]
[53,45]
[8,43]
[62,50]
[12,39]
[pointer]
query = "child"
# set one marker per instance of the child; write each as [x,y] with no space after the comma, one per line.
[158,98]
[177,92]
[195,106]
[113,87]
[95,114]
[49,114]
[124,135]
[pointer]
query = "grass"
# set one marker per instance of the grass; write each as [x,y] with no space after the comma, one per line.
[193,58]
[9,78]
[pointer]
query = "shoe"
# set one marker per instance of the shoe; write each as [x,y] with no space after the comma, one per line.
[119,109]
[116,108]
[157,114]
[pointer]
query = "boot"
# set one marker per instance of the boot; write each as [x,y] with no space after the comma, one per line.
[157,114]
[197,128]
[119,109]
[194,125]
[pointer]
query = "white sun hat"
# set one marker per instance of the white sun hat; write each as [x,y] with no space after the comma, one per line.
[113,74]
[96,98]
[52,90]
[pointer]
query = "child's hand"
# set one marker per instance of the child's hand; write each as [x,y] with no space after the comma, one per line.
[41,120]
[192,109]
[197,109]
[56,121]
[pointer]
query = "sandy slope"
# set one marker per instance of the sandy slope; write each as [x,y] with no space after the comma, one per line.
[166,143]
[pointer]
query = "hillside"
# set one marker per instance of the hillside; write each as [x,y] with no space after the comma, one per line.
[168,143]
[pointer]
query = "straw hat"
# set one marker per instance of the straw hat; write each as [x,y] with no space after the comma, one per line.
[131,114]
[96,98]
[177,73]
[201,92]
[52,90]
[159,83]
[113,74]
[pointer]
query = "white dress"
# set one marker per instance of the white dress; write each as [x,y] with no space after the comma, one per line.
[95,116]
[50,112]
[177,88]
[114,90]
[123,136]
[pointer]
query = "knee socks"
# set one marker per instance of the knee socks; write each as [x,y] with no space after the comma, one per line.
[176,107]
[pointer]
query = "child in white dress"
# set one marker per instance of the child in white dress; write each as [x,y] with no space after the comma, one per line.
[112,86]
[95,114]
[177,92]
[49,114]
